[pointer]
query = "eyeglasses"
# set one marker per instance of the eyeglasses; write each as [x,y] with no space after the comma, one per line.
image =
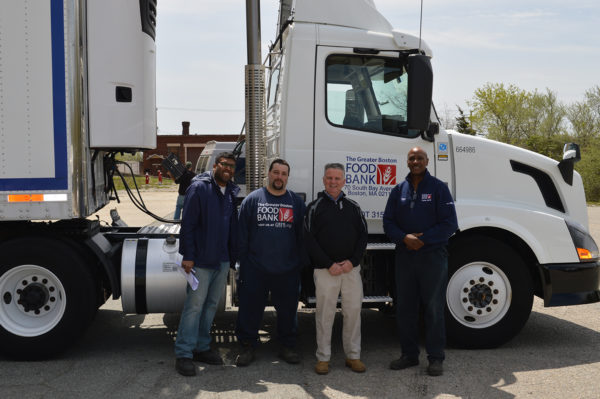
[227,165]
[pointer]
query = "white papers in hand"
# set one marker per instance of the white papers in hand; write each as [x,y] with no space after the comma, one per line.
[190,277]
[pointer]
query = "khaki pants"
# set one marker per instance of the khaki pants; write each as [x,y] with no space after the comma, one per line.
[328,288]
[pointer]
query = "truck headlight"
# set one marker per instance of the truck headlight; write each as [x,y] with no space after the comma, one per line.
[586,247]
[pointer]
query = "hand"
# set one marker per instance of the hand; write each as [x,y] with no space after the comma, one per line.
[413,242]
[187,265]
[335,269]
[346,265]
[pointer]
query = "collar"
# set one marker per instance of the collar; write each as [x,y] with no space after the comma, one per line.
[426,177]
[335,200]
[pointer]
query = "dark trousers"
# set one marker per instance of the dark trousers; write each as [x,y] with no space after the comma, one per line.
[421,280]
[254,289]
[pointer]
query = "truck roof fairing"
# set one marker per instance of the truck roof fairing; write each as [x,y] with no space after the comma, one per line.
[359,14]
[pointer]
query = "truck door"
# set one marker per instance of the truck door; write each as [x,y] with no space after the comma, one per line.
[360,122]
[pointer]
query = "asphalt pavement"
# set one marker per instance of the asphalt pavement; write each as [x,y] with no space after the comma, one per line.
[556,355]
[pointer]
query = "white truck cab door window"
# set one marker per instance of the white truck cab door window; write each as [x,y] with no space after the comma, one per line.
[360,122]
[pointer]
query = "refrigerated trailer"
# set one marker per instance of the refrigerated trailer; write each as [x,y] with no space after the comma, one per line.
[77,86]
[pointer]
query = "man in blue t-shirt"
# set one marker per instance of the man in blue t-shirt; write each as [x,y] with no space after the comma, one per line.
[419,218]
[270,254]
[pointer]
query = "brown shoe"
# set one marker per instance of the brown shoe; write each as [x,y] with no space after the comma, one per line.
[356,365]
[322,367]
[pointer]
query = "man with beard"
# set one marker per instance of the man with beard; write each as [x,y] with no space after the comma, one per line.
[208,238]
[420,218]
[271,256]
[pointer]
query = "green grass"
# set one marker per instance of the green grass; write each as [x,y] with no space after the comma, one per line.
[141,182]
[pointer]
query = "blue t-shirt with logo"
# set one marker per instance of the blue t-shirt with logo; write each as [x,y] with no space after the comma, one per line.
[270,232]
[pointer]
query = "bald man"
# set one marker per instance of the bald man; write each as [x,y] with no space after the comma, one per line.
[420,218]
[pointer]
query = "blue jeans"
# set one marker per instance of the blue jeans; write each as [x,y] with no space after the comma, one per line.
[421,279]
[254,288]
[199,310]
[178,207]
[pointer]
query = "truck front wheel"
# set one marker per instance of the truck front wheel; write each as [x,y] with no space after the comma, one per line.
[47,297]
[489,295]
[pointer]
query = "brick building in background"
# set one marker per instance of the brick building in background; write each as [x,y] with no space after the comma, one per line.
[187,147]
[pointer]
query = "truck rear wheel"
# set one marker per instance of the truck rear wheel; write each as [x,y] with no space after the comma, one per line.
[489,295]
[47,297]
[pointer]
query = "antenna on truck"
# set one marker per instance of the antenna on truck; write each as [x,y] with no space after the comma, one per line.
[420,25]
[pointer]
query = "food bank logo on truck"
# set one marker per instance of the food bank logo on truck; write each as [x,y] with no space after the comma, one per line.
[375,171]
[386,174]
[370,176]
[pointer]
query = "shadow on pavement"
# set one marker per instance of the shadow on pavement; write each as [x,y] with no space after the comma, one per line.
[546,342]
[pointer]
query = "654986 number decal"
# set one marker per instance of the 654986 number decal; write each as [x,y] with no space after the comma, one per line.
[465,149]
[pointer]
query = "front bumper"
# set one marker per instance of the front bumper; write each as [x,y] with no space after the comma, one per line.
[570,283]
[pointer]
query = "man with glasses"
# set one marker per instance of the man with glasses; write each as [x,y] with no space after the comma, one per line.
[207,242]
[420,218]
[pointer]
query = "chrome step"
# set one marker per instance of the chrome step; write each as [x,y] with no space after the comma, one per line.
[368,299]
[381,246]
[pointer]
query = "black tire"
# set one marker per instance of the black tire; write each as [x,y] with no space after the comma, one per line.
[48,297]
[489,295]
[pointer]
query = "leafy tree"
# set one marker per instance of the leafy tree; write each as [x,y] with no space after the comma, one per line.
[463,125]
[514,116]
[588,169]
[584,117]
[548,114]
[500,112]
[446,117]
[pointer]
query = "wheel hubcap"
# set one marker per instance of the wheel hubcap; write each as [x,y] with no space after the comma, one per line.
[33,300]
[478,295]
[34,297]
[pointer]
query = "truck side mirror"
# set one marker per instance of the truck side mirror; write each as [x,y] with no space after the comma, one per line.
[571,151]
[571,155]
[420,90]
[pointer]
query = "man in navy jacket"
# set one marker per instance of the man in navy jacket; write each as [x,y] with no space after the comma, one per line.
[208,239]
[420,218]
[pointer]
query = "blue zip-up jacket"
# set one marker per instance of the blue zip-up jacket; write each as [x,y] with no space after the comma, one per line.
[208,233]
[270,232]
[430,210]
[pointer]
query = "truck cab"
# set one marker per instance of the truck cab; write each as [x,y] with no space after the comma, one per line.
[340,91]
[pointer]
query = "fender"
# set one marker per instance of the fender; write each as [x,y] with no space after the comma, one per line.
[546,235]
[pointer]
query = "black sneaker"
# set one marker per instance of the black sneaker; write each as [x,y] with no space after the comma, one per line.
[246,356]
[184,366]
[289,355]
[435,368]
[209,357]
[404,362]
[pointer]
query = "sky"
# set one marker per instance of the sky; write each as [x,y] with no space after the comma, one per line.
[533,44]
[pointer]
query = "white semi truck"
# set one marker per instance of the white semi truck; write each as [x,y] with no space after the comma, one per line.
[77,86]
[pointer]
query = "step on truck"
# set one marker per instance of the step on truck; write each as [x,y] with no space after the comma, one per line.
[77,87]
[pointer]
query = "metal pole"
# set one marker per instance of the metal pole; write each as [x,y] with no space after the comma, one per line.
[255,108]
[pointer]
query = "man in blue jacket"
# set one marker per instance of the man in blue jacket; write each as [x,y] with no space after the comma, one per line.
[207,242]
[420,218]
[271,256]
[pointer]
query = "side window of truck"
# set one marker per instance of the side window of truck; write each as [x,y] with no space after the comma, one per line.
[367,93]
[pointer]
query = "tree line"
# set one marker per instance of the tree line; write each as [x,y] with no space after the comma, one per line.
[539,122]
